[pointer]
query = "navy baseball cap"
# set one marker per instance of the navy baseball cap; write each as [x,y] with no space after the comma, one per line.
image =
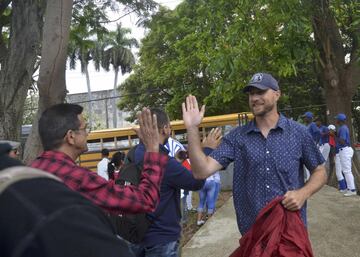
[262,81]
[340,117]
[309,115]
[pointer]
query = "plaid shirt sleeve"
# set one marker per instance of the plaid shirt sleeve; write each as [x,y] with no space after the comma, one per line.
[106,194]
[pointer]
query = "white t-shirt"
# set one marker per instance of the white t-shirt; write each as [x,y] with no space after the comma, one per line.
[102,167]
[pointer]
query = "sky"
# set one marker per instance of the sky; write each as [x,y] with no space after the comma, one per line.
[102,80]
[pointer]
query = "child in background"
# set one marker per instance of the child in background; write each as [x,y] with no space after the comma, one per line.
[115,164]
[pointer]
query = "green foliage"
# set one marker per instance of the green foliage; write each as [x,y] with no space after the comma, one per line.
[30,108]
[117,50]
[211,49]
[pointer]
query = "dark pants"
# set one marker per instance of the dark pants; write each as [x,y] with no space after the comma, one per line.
[160,250]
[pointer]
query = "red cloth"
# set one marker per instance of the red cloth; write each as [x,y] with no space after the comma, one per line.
[332,141]
[276,232]
[186,164]
[107,195]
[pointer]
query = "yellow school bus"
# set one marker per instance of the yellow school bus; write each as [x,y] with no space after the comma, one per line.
[122,139]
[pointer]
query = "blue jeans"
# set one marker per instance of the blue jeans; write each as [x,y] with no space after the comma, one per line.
[206,194]
[160,250]
[217,191]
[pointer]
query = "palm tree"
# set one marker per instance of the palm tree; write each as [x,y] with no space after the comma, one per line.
[80,49]
[117,53]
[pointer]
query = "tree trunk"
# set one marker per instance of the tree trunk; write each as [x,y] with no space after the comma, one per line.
[339,77]
[18,65]
[90,117]
[114,98]
[106,113]
[51,83]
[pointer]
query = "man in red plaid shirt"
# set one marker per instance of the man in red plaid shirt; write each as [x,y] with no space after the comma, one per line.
[63,133]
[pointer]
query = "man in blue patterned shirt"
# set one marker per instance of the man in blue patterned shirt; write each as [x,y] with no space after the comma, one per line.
[268,154]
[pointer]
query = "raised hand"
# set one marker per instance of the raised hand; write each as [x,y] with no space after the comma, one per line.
[213,139]
[148,132]
[192,116]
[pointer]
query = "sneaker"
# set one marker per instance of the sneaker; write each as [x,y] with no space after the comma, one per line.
[200,222]
[350,193]
[342,191]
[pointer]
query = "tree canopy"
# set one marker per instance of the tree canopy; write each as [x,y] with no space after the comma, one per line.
[211,49]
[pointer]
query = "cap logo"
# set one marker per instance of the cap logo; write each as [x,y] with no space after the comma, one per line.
[256,78]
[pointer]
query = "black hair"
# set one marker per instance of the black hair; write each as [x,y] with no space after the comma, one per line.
[5,148]
[161,116]
[56,121]
[118,158]
[105,152]
[7,162]
[116,161]
[182,155]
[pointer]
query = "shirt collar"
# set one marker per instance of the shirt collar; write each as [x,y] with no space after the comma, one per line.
[57,155]
[253,128]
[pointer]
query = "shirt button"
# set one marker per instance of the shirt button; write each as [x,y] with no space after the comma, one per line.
[267,169]
[267,186]
[267,152]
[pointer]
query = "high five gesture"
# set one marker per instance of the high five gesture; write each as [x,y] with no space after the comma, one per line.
[192,116]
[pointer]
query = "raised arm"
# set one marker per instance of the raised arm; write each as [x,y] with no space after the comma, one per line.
[202,166]
[148,131]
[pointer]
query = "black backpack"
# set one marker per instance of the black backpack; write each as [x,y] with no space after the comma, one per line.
[132,227]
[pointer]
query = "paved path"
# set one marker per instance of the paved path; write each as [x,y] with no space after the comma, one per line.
[334,227]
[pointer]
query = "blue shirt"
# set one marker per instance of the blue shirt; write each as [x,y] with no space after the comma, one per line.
[324,135]
[344,134]
[314,132]
[265,168]
[166,227]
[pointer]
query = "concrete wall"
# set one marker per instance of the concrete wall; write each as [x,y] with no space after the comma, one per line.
[102,110]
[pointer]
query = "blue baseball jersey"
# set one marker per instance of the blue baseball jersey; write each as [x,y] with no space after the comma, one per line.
[344,134]
[324,135]
[314,132]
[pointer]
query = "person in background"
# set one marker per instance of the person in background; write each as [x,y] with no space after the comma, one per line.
[206,196]
[114,166]
[10,148]
[324,146]
[217,180]
[332,140]
[345,153]
[182,157]
[173,146]
[335,150]
[178,151]
[163,235]
[102,166]
[312,128]
[315,134]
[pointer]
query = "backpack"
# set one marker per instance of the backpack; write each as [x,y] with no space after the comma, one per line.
[132,227]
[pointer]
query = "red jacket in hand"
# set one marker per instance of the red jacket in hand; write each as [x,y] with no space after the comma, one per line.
[276,232]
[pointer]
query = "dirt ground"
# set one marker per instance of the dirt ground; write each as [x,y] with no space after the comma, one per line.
[190,228]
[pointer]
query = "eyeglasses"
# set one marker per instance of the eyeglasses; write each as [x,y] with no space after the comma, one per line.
[87,129]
